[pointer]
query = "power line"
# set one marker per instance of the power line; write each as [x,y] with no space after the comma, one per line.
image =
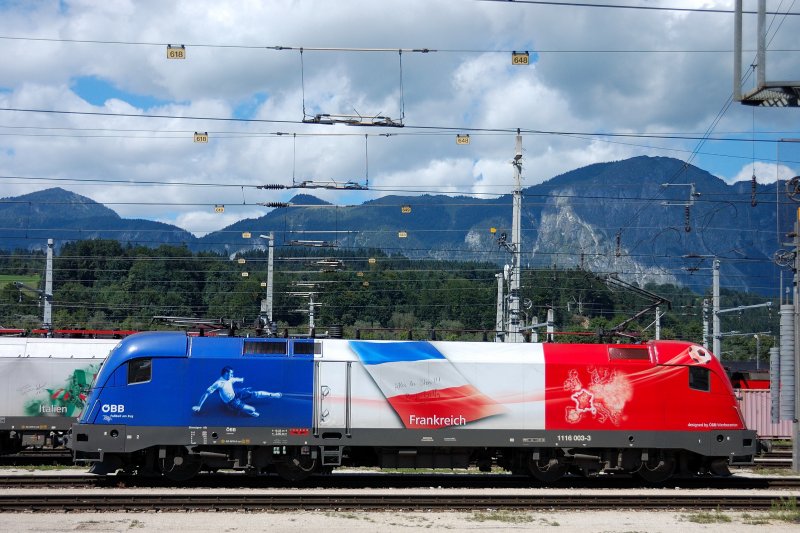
[417,50]
[630,7]
[439,129]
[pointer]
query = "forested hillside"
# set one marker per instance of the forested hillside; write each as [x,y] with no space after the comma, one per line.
[102,284]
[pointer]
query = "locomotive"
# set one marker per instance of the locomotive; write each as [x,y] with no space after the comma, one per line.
[44,383]
[174,405]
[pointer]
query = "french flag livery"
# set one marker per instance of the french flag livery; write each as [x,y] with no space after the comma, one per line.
[305,406]
[423,387]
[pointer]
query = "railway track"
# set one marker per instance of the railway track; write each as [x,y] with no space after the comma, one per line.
[777,458]
[383,481]
[37,458]
[36,501]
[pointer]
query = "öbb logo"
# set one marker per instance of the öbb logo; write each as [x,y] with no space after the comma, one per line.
[113,408]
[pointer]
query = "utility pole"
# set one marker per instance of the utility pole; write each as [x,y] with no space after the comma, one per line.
[514,334]
[499,326]
[311,325]
[758,350]
[46,295]
[311,304]
[47,321]
[266,304]
[796,300]
[658,323]
[513,329]
[716,333]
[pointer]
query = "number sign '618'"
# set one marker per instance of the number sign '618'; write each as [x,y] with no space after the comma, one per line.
[176,52]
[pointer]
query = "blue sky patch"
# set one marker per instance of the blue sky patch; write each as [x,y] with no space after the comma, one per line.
[97,91]
[248,108]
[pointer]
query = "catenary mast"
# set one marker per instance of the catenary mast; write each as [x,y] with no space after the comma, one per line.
[514,334]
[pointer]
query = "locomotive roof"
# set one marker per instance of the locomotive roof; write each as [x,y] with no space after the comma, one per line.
[56,348]
[151,344]
[179,344]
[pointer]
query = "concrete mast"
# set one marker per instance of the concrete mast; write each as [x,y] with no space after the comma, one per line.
[47,320]
[514,334]
[266,304]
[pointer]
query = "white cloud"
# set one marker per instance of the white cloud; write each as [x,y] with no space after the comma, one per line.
[764,173]
[595,71]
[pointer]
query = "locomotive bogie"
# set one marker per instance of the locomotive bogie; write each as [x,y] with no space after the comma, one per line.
[174,405]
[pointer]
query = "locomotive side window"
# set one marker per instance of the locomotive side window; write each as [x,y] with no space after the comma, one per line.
[629,353]
[699,378]
[307,348]
[139,371]
[265,347]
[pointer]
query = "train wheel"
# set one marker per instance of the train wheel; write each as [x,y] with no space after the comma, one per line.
[657,470]
[546,469]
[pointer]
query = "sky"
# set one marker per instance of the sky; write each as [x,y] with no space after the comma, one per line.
[91,102]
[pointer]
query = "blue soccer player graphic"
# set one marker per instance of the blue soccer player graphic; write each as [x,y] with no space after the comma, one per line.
[232,398]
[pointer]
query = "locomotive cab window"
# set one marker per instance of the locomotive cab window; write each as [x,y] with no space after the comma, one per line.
[139,371]
[699,378]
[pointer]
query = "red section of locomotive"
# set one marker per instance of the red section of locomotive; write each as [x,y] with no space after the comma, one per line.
[662,385]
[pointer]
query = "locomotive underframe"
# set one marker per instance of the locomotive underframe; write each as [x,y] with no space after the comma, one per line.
[38,432]
[544,454]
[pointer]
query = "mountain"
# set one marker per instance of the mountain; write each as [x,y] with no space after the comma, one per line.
[29,220]
[639,217]
[591,210]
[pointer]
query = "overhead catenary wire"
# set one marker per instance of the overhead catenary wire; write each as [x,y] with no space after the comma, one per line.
[365,136]
[419,50]
[538,197]
[640,7]
[440,129]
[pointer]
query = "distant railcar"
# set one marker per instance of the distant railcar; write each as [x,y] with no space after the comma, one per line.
[167,403]
[750,379]
[43,386]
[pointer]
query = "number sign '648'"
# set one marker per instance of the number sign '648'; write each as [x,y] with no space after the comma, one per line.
[520,58]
